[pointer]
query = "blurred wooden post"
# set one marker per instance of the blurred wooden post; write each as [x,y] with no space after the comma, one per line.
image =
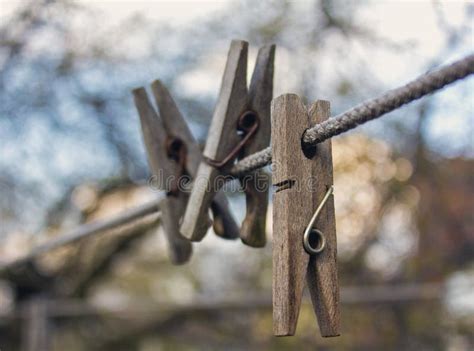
[35,330]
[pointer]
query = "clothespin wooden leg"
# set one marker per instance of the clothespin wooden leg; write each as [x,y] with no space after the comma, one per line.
[224,224]
[255,185]
[180,249]
[222,144]
[322,277]
[302,179]
[155,138]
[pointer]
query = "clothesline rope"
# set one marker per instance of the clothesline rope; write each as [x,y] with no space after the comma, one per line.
[369,110]
[87,230]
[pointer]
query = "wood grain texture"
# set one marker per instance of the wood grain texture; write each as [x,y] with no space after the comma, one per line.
[224,224]
[291,211]
[221,140]
[322,277]
[172,207]
[256,185]
[231,103]
[299,190]
[175,125]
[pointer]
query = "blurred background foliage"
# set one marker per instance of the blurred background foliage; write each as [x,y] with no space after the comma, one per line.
[71,153]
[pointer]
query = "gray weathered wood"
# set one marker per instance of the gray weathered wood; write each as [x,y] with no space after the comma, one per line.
[222,138]
[166,170]
[301,183]
[322,277]
[224,224]
[176,126]
[256,185]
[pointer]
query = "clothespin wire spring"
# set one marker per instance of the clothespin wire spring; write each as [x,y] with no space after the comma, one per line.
[248,125]
[310,231]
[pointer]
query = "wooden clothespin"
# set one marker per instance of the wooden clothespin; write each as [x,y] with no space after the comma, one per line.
[224,224]
[174,156]
[304,230]
[237,119]
[166,159]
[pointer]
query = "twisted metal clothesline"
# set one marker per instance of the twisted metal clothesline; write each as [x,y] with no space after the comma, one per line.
[369,110]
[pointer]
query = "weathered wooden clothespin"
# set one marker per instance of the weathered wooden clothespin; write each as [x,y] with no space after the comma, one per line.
[304,230]
[237,119]
[224,224]
[174,156]
[166,159]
